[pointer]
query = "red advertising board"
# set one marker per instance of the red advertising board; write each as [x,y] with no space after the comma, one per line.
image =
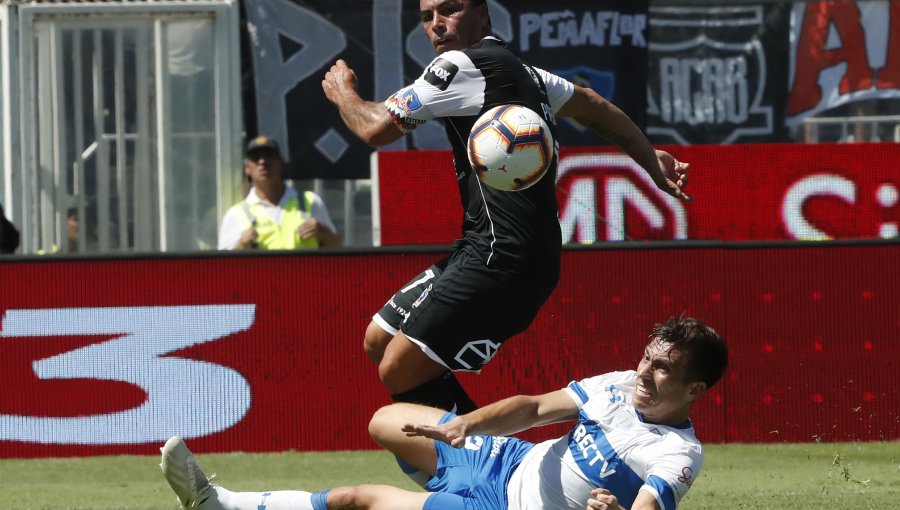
[742,192]
[264,352]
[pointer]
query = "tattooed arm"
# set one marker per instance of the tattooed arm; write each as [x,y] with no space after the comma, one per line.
[368,120]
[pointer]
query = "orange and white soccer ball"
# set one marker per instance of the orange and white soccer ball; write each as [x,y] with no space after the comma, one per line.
[510,147]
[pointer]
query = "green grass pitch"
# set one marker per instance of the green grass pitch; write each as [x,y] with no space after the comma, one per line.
[775,476]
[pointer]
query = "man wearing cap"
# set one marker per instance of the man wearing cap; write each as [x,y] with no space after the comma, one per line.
[274,216]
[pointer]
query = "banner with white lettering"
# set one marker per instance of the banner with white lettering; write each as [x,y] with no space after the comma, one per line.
[293,43]
[716,74]
[843,53]
[601,45]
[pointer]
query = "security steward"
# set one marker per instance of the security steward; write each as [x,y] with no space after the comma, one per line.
[274,216]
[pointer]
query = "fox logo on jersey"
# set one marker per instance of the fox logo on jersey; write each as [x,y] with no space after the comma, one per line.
[440,73]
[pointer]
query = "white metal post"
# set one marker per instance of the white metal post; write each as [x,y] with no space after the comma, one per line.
[229,119]
[120,142]
[59,193]
[102,154]
[162,127]
[376,200]
[27,136]
[7,81]
[78,179]
[144,233]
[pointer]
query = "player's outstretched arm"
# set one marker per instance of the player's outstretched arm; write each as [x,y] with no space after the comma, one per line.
[370,121]
[502,418]
[603,118]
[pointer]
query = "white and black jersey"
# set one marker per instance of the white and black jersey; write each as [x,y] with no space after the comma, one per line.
[506,265]
[508,230]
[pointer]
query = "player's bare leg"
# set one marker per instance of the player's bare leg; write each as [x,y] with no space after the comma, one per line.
[375,497]
[416,456]
[405,366]
[376,341]
[411,376]
[386,426]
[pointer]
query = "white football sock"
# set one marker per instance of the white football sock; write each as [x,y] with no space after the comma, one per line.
[224,499]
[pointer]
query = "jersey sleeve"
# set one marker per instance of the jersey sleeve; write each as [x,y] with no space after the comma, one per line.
[231,229]
[450,86]
[609,385]
[559,89]
[670,477]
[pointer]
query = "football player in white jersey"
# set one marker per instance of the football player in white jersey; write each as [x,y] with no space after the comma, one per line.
[632,446]
[446,319]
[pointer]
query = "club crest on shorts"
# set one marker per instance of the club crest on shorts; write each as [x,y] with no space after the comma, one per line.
[476,354]
[423,296]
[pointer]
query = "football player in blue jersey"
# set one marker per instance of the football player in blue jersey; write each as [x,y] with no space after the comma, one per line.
[455,315]
[632,445]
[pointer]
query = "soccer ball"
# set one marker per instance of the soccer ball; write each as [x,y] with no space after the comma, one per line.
[510,147]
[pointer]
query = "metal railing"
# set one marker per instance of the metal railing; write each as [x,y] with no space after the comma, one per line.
[854,128]
[130,123]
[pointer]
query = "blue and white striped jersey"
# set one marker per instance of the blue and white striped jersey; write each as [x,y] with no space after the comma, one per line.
[610,447]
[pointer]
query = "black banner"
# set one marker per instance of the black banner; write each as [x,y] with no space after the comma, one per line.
[292,43]
[717,74]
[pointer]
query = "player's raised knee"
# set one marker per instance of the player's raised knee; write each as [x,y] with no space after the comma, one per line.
[385,427]
[375,341]
[391,374]
[387,419]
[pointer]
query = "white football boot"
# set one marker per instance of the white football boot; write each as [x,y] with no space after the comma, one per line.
[183,474]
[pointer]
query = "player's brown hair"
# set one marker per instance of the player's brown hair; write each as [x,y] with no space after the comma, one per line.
[707,353]
[484,3]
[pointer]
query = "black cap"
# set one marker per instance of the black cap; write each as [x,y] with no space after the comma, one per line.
[263,142]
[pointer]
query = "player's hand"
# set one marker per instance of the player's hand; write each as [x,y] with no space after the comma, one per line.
[311,228]
[248,239]
[675,173]
[339,81]
[453,432]
[602,499]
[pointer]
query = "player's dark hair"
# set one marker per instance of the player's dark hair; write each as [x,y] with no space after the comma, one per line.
[484,3]
[707,353]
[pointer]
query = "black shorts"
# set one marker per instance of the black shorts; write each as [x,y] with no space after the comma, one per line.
[459,311]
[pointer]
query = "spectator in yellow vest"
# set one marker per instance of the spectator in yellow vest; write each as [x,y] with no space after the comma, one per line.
[275,216]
